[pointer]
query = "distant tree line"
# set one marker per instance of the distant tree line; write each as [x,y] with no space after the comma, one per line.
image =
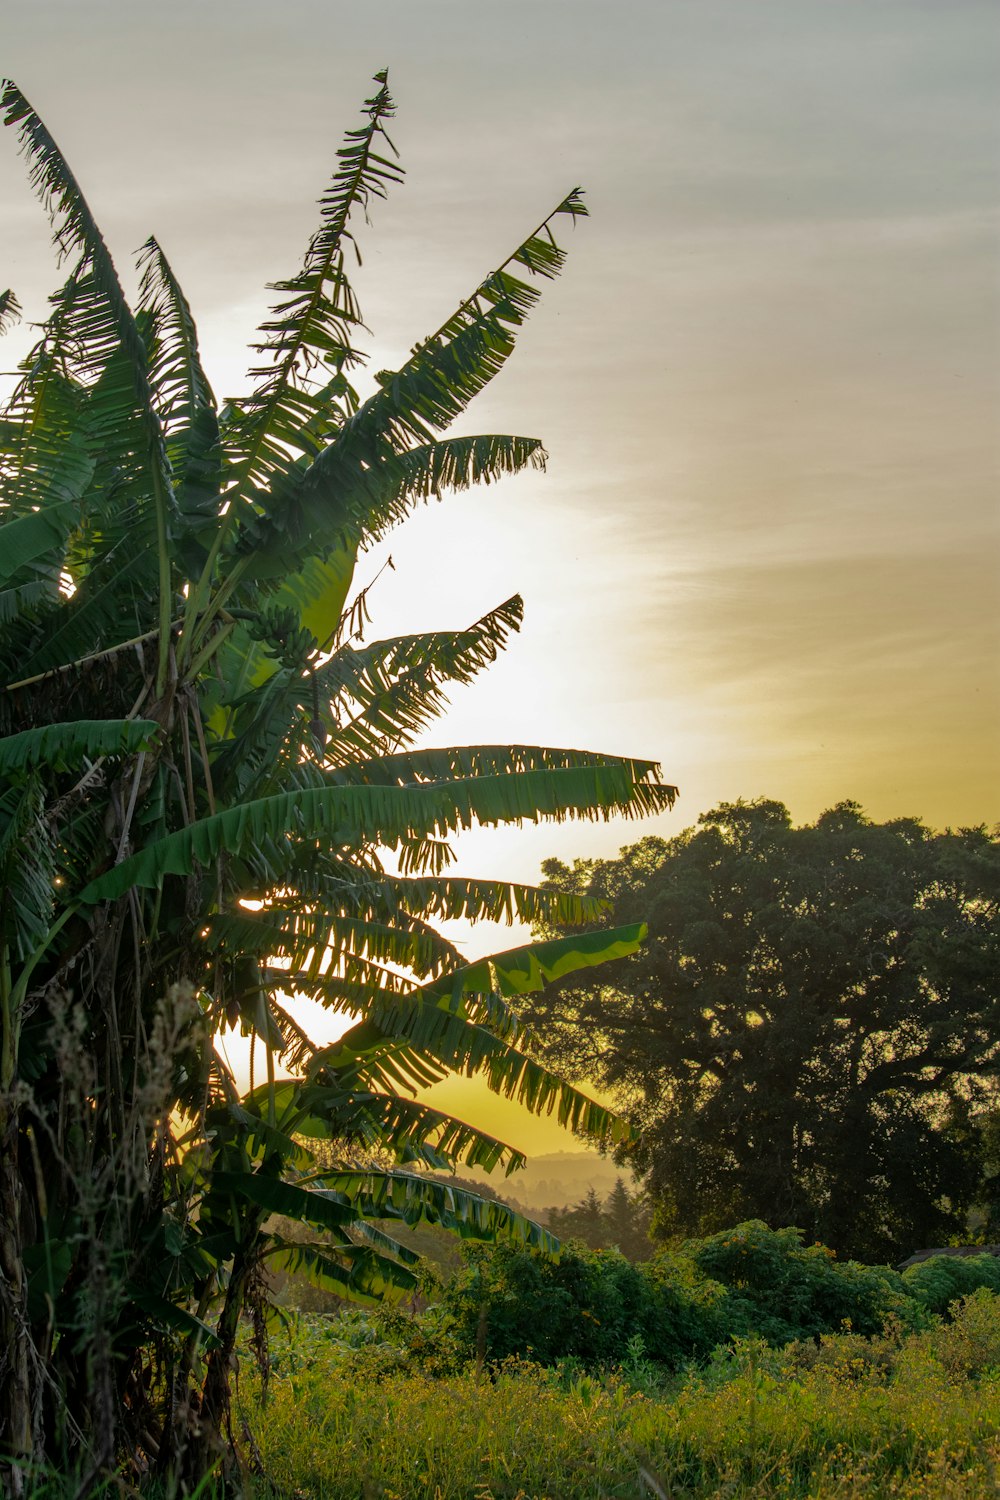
[621,1221]
[811,1035]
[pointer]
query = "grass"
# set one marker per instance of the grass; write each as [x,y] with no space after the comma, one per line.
[912,1417]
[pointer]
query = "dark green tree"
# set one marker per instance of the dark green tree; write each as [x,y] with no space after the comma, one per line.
[622,1221]
[580,1221]
[627,1218]
[812,1034]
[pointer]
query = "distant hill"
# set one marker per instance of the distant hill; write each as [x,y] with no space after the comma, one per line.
[555,1180]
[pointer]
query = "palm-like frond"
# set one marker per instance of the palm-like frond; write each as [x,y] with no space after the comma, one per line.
[413,1040]
[312,939]
[181,391]
[458,763]
[65,745]
[110,356]
[358,1273]
[28,860]
[76,232]
[382,696]
[450,897]
[374,459]
[10,310]
[358,497]
[388,814]
[405,1196]
[312,327]
[519,971]
[35,541]
[447,370]
[409,1129]
[17,602]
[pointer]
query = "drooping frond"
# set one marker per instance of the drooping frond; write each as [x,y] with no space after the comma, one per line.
[415,1131]
[383,695]
[16,602]
[107,320]
[313,938]
[65,745]
[10,310]
[44,458]
[31,540]
[450,898]
[388,814]
[27,866]
[456,763]
[406,1196]
[481,991]
[113,605]
[357,1273]
[359,501]
[320,1109]
[361,702]
[521,970]
[352,990]
[410,1041]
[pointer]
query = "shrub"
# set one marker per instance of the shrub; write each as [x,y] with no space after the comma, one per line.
[686,1314]
[588,1305]
[741,1429]
[512,1302]
[944,1278]
[849,1357]
[784,1290]
[969,1344]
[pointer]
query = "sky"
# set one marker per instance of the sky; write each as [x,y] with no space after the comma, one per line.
[765,551]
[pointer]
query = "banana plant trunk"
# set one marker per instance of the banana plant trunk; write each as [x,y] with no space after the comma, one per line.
[212,1441]
[17,1396]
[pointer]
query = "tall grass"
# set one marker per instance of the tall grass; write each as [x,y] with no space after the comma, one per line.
[905,1417]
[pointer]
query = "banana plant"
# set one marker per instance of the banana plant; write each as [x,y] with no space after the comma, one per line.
[216,794]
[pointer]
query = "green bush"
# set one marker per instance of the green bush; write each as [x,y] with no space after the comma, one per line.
[512,1302]
[968,1345]
[589,1304]
[944,1278]
[593,1309]
[782,1290]
[366,1344]
[686,1314]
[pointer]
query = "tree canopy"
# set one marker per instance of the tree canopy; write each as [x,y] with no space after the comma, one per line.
[811,1035]
[212,799]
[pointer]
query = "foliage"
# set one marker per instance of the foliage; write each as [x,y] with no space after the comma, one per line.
[942,1279]
[750,1425]
[212,798]
[439,1250]
[786,1290]
[584,1305]
[811,1036]
[749,1281]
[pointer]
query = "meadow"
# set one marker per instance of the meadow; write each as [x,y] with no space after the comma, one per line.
[902,1414]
